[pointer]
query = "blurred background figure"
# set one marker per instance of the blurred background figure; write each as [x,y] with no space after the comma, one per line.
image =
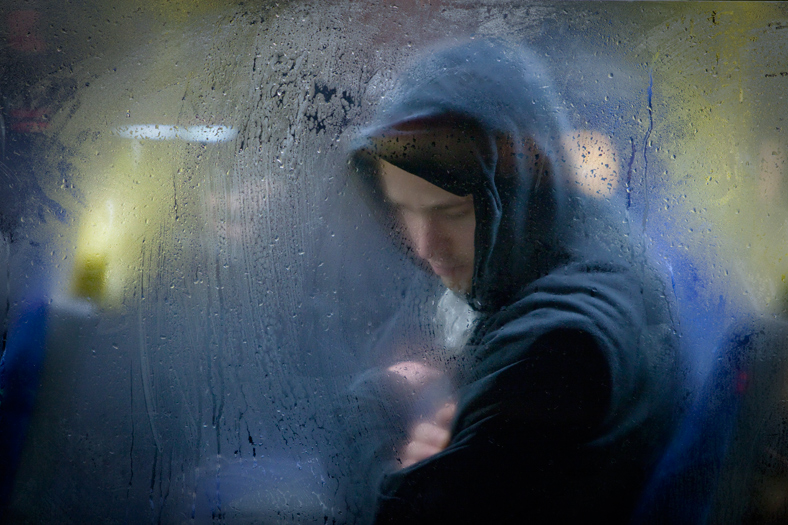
[25,306]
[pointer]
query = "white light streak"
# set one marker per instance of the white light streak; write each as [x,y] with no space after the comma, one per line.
[217,133]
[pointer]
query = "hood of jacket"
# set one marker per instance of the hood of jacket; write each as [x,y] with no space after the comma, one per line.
[482,118]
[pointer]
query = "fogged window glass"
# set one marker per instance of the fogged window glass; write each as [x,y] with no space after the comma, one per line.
[215,304]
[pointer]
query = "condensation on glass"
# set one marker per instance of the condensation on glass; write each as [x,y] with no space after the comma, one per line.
[177,220]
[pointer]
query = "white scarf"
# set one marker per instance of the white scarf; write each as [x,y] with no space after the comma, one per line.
[454,320]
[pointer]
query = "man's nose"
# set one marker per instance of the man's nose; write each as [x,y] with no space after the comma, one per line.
[427,238]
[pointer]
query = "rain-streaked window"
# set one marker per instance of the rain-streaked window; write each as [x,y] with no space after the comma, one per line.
[220,302]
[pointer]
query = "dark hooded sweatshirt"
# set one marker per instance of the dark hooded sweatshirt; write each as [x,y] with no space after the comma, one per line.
[569,386]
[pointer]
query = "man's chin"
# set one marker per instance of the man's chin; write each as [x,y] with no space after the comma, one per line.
[457,286]
[456,278]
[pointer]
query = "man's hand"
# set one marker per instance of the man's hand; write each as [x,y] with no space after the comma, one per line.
[429,438]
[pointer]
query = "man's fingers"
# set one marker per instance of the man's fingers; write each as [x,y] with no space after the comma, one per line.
[406,462]
[432,435]
[427,439]
[416,451]
[444,416]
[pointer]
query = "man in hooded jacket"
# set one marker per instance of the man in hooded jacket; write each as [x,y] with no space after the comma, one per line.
[567,379]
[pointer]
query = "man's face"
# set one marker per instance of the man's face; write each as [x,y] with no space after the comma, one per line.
[438,225]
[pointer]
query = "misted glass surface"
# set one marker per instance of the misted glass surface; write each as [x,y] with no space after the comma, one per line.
[193,286]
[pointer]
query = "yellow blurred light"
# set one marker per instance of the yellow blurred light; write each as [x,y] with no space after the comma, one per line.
[594,167]
[96,255]
[717,119]
[126,209]
[90,276]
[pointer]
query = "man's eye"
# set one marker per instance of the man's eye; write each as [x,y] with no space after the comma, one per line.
[459,213]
